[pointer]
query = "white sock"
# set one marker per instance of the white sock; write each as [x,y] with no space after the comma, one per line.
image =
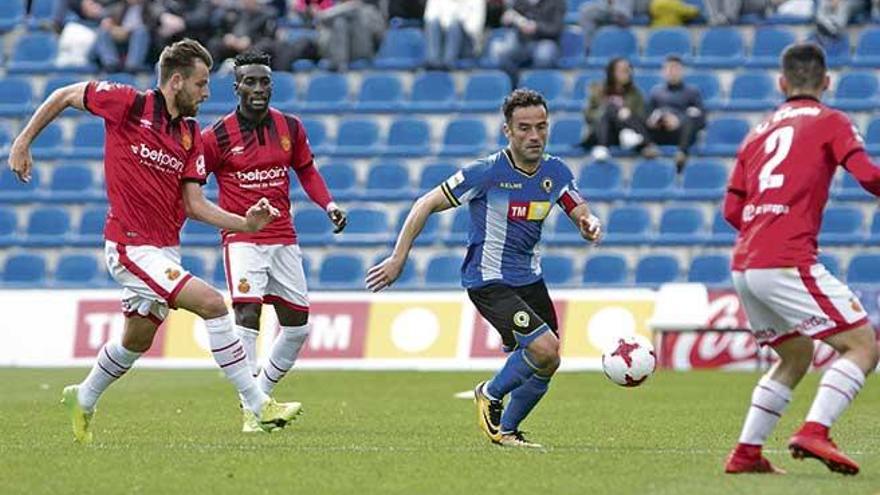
[112,362]
[230,355]
[285,349]
[839,386]
[248,338]
[769,400]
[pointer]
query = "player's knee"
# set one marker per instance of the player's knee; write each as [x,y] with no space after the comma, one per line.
[138,343]
[212,306]
[545,353]
[248,315]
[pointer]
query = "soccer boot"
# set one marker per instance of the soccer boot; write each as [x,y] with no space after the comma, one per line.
[488,413]
[249,423]
[748,459]
[274,415]
[80,420]
[812,441]
[516,439]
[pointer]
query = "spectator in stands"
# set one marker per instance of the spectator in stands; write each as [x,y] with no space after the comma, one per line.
[675,111]
[406,9]
[193,18]
[126,30]
[615,114]
[534,39]
[599,13]
[723,12]
[348,30]
[453,30]
[832,16]
[247,26]
[87,10]
[670,13]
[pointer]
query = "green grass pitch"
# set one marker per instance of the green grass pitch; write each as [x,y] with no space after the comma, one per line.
[403,432]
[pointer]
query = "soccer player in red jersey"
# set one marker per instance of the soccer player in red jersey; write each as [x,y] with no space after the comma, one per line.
[777,192]
[154,167]
[251,151]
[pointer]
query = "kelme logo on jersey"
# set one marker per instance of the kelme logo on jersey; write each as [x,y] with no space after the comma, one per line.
[158,157]
[528,210]
[261,175]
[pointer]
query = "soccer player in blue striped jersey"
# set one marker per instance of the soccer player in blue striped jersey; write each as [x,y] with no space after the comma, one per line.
[509,194]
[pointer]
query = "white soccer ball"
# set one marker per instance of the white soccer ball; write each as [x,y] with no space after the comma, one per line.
[629,361]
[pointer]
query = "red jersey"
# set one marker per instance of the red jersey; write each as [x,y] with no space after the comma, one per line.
[251,160]
[147,156]
[780,183]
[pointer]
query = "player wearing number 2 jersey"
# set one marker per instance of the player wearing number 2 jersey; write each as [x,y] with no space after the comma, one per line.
[777,192]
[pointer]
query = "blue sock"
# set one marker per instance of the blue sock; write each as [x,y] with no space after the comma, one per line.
[522,400]
[514,373]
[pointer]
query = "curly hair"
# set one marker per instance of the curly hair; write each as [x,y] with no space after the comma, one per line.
[521,98]
[252,58]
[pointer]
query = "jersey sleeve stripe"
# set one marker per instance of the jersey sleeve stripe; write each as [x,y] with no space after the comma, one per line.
[448,193]
[850,154]
[136,112]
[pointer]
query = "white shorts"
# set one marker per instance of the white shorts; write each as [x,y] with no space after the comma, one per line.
[782,303]
[151,278]
[266,273]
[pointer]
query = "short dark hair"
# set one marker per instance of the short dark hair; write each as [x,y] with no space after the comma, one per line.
[803,65]
[674,58]
[521,98]
[181,57]
[252,58]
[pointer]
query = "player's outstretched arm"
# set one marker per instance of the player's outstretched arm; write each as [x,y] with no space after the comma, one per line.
[865,171]
[588,224]
[199,208]
[386,272]
[20,160]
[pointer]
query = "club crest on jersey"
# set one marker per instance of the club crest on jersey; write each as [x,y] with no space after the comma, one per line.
[547,184]
[285,143]
[243,286]
[186,141]
[521,319]
[172,274]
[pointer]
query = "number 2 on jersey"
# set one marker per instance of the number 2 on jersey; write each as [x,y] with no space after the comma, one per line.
[778,143]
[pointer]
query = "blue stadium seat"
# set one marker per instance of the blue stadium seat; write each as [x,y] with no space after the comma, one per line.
[123,78]
[720,47]
[33,53]
[571,48]
[317,132]
[409,277]
[24,270]
[357,137]
[710,269]
[284,93]
[341,271]
[867,52]
[218,274]
[380,93]
[723,234]
[388,181]
[47,227]
[565,136]
[16,97]
[11,15]
[434,174]
[313,228]
[409,137]
[836,49]
[59,81]
[628,225]
[223,99]
[874,236]
[605,269]
[464,137]
[663,42]
[710,88]
[197,233]
[768,45]
[831,263]
[872,137]
[8,226]
[366,227]
[851,190]
[457,233]
[863,269]
[550,83]
[656,269]
[194,264]
[88,140]
[91,227]
[484,91]
[557,270]
[646,82]
[432,92]
[563,233]
[326,93]
[752,91]
[401,49]
[49,144]
[704,180]
[580,91]
[653,179]
[341,180]
[76,270]
[443,271]
[12,190]
[842,225]
[681,225]
[601,181]
[610,42]
[430,233]
[856,91]
[723,136]
[72,182]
